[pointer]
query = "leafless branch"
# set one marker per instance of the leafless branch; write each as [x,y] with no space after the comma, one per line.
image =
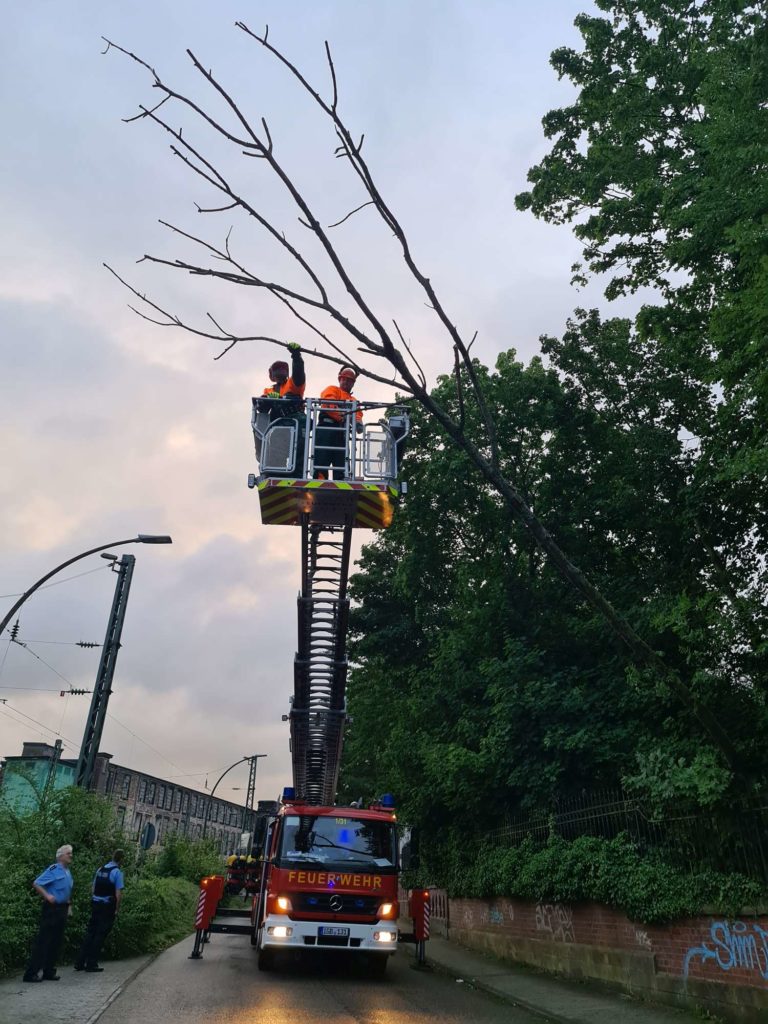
[370,202]
[422,377]
[143,112]
[215,209]
[335,99]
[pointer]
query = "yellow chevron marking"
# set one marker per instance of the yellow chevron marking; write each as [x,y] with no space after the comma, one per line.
[285,517]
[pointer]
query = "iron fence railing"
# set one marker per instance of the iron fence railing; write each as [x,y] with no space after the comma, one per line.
[723,839]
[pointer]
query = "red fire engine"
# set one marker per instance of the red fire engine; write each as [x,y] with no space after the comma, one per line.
[329,878]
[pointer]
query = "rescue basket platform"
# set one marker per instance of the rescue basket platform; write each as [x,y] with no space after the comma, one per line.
[284,502]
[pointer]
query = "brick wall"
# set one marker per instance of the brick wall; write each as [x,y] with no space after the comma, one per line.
[711,962]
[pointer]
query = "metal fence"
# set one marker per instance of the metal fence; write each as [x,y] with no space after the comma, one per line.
[726,839]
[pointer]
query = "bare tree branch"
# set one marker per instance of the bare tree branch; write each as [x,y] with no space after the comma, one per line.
[335,99]
[362,206]
[422,377]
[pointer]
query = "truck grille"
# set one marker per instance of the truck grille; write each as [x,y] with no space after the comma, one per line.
[320,903]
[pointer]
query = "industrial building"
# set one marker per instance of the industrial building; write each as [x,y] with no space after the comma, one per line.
[147,807]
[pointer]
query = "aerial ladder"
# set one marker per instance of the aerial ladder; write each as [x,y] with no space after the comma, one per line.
[295,488]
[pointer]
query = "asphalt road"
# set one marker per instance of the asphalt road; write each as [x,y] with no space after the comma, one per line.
[226,988]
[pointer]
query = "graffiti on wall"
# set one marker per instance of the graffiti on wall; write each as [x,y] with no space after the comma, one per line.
[740,944]
[555,921]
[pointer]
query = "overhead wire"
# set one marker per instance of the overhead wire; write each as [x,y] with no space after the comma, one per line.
[34,655]
[46,586]
[41,724]
[149,745]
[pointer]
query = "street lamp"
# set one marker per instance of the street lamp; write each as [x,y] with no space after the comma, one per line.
[252,758]
[142,538]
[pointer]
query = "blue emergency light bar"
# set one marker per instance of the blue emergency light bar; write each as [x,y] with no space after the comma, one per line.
[289,793]
[388,801]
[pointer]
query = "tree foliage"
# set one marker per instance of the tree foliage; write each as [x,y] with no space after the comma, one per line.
[155,912]
[661,163]
[480,686]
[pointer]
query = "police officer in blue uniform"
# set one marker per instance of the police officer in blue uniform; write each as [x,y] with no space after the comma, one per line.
[55,886]
[108,885]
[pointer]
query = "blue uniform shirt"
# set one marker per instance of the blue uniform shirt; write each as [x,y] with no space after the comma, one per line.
[115,876]
[57,881]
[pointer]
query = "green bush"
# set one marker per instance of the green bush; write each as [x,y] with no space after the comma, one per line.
[613,872]
[180,857]
[155,913]
[160,896]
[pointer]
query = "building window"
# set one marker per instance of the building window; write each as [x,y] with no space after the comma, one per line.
[161,796]
[110,781]
[151,793]
[185,803]
[169,799]
[142,790]
[137,824]
[126,786]
[193,807]
[177,801]
[121,816]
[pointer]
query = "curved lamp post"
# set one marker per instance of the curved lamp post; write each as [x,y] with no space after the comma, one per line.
[251,757]
[142,538]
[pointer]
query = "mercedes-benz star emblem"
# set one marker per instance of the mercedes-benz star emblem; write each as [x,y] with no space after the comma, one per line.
[336,904]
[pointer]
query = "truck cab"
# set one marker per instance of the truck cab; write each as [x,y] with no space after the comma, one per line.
[329,883]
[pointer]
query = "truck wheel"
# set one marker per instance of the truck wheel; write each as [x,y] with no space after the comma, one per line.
[377,965]
[265,960]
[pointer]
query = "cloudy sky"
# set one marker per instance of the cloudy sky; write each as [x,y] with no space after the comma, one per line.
[112,427]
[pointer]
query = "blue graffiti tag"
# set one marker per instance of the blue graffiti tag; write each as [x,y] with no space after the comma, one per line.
[736,945]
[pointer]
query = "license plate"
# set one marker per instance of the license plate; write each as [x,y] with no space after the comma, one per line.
[339,933]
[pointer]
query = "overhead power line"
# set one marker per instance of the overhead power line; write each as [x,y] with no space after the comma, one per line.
[149,745]
[99,568]
[42,725]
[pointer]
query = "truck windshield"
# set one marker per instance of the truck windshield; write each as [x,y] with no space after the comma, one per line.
[338,842]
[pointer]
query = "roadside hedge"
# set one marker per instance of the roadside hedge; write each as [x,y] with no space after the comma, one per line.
[614,872]
[157,910]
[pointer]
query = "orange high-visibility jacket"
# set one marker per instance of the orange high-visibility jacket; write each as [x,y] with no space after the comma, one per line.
[341,396]
[288,389]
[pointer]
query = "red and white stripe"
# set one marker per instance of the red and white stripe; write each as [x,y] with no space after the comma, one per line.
[200,909]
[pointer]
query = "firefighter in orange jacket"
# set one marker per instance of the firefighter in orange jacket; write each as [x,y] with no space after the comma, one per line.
[330,443]
[286,386]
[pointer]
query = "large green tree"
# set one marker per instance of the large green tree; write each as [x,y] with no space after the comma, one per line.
[660,163]
[480,681]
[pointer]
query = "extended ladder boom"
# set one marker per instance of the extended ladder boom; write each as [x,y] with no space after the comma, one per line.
[318,713]
[294,450]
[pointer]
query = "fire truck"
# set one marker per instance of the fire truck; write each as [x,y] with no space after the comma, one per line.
[329,876]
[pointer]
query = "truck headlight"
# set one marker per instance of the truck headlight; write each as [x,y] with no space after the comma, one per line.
[384,936]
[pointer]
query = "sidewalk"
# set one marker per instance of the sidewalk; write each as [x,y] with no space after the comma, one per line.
[79,998]
[563,1002]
